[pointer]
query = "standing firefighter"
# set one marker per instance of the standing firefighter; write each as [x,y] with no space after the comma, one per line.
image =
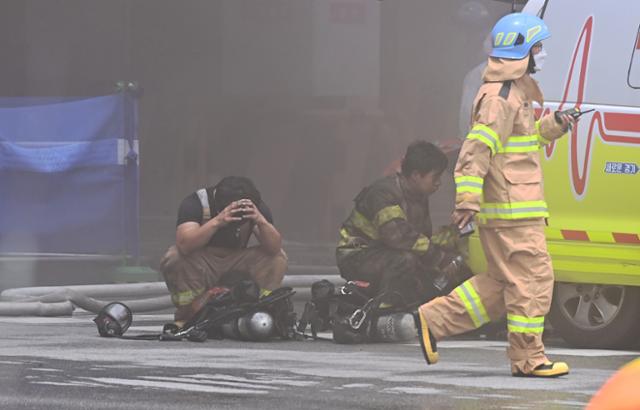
[499,177]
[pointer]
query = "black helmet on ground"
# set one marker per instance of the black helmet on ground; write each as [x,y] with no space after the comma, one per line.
[113,320]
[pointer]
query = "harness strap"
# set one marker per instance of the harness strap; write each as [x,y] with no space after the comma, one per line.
[204,201]
[505,89]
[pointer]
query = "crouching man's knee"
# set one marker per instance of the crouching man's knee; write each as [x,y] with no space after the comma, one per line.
[269,270]
[170,259]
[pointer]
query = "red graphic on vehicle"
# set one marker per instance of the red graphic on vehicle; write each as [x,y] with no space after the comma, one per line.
[608,123]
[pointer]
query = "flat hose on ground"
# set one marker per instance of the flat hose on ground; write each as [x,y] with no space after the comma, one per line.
[60,300]
[62,303]
[36,309]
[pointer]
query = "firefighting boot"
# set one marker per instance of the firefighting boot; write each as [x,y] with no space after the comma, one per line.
[546,370]
[427,341]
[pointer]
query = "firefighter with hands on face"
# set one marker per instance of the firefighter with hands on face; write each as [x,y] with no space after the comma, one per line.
[499,183]
[213,229]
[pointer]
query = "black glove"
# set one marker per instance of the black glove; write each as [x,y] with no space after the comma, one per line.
[434,256]
[450,273]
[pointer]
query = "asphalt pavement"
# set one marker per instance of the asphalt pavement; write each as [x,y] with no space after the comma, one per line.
[62,363]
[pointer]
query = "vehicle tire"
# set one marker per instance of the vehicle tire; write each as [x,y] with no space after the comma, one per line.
[596,316]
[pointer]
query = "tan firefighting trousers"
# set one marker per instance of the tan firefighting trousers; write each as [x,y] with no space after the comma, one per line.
[189,277]
[518,282]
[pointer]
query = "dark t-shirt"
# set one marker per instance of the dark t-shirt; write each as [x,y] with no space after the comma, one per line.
[228,237]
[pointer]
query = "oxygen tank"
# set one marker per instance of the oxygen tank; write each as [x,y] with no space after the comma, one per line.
[256,327]
[394,328]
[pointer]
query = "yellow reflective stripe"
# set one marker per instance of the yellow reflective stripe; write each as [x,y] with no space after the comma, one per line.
[514,210]
[510,39]
[363,224]
[473,304]
[523,324]
[469,184]
[525,319]
[185,297]
[498,39]
[519,150]
[421,244]
[532,32]
[517,144]
[265,292]
[344,237]
[486,135]
[387,214]
[542,140]
[470,178]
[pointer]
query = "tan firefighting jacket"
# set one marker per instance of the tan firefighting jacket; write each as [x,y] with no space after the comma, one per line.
[498,172]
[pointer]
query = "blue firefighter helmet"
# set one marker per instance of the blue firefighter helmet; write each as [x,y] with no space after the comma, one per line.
[515,34]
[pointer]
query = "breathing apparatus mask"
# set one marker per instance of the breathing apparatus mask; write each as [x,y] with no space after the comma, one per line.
[538,60]
[113,320]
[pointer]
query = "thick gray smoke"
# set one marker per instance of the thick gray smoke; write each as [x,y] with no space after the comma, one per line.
[312,99]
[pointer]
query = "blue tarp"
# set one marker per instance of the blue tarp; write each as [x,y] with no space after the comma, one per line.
[69,175]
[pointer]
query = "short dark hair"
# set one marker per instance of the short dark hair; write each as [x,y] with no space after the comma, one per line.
[234,188]
[424,157]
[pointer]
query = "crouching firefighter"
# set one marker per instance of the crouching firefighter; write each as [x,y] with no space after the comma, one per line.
[213,229]
[385,250]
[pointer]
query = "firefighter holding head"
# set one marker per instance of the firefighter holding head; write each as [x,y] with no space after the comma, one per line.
[213,230]
[498,180]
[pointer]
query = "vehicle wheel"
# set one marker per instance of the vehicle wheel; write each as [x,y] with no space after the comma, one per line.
[596,316]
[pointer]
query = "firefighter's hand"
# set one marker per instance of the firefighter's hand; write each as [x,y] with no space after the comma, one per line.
[434,256]
[252,213]
[446,237]
[566,121]
[231,213]
[461,217]
[170,258]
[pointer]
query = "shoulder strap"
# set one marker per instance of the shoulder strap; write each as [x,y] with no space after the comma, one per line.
[204,201]
[505,89]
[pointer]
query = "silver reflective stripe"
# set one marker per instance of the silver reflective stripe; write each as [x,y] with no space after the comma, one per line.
[522,144]
[513,211]
[204,201]
[470,183]
[525,324]
[487,136]
[473,304]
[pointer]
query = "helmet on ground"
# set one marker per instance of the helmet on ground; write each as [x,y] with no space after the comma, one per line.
[515,34]
[113,320]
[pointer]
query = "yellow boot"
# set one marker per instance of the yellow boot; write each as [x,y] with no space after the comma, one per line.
[549,369]
[427,341]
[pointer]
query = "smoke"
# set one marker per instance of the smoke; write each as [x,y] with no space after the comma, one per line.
[313,99]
